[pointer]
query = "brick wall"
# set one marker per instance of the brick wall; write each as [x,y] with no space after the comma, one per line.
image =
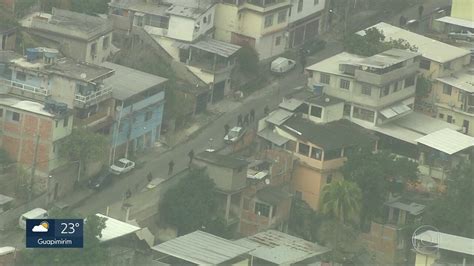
[382,241]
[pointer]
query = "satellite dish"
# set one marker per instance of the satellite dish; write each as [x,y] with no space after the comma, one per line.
[83,75]
[267,181]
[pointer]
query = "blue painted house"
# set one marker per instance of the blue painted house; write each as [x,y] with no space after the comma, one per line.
[139,101]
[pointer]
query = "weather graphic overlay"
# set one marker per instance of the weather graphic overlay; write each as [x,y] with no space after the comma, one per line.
[54,233]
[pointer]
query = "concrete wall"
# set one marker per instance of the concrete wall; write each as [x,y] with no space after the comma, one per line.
[10,41]
[63,90]
[424,260]
[382,241]
[328,114]
[225,178]
[183,28]
[267,47]
[309,8]
[463,9]
[226,21]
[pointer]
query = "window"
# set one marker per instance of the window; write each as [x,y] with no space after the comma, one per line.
[204,20]
[316,153]
[13,116]
[20,76]
[395,86]
[262,209]
[366,90]
[300,5]
[148,115]
[449,119]
[303,149]
[385,91]
[282,16]
[105,43]
[441,116]
[344,84]
[324,78]
[316,2]
[410,81]
[57,123]
[66,121]
[316,111]
[268,21]
[347,109]
[425,64]
[332,154]
[447,89]
[363,114]
[277,40]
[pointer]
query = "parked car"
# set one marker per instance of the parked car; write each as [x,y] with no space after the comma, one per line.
[122,166]
[234,135]
[101,180]
[462,35]
[282,65]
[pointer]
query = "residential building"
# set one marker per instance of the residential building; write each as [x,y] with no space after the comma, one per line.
[434,248]
[306,21]
[438,59]
[33,130]
[229,173]
[7,38]
[372,87]
[387,238]
[181,32]
[78,36]
[200,248]
[454,99]
[461,18]
[139,102]
[321,148]
[276,248]
[266,201]
[261,24]
[44,77]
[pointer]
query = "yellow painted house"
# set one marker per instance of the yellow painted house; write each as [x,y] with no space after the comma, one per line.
[463,9]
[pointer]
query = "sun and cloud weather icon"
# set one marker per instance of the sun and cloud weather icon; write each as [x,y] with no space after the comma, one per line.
[41,228]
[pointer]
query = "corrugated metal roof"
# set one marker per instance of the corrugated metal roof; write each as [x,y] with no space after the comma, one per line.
[290,104]
[217,47]
[273,137]
[463,80]
[278,117]
[115,228]
[280,248]
[447,140]
[457,21]
[128,81]
[202,248]
[448,242]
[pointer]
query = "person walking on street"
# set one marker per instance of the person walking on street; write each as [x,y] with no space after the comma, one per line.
[303,63]
[170,167]
[239,120]
[149,177]
[252,115]
[420,11]
[226,129]
[246,120]
[266,110]
[402,21]
[191,156]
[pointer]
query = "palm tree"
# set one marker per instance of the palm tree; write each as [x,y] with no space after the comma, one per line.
[341,199]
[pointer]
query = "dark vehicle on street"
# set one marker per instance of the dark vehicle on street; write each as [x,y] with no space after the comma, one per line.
[101,180]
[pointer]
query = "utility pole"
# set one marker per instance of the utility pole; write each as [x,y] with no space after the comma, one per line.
[33,169]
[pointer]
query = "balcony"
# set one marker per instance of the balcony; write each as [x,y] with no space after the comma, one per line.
[25,90]
[383,79]
[263,6]
[91,98]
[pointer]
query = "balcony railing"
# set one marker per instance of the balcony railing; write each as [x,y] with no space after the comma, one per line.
[94,96]
[264,6]
[24,87]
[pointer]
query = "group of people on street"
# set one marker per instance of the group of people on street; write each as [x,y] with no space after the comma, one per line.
[171,163]
[245,120]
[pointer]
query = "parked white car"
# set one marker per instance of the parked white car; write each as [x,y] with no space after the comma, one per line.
[122,166]
[282,65]
[462,35]
[234,135]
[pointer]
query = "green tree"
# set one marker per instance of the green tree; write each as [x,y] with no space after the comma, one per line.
[375,174]
[93,252]
[191,204]
[453,212]
[374,42]
[341,199]
[247,58]
[423,87]
[304,221]
[84,146]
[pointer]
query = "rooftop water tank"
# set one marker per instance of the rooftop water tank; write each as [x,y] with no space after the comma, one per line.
[32,54]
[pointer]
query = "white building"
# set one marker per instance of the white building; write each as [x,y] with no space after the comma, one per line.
[305,21]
